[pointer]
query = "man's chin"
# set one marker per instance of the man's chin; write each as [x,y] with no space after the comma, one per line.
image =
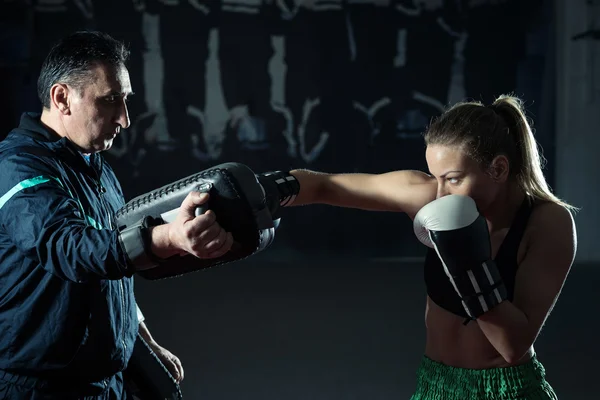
[107,145]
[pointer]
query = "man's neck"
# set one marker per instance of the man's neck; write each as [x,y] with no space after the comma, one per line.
[52,123]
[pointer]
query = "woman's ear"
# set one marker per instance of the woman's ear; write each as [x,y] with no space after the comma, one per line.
[500,169]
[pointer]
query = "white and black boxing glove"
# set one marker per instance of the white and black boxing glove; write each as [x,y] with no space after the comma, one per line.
[453,226]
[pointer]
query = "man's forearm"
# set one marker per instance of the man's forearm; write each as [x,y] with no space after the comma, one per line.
[145,334]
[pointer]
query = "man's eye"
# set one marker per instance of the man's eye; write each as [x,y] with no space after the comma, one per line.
[111,99]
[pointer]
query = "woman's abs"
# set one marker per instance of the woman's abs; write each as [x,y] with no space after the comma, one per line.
[453,343]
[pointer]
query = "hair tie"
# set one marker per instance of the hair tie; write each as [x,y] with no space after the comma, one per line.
[492,107]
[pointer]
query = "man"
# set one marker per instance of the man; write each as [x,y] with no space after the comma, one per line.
[68,316]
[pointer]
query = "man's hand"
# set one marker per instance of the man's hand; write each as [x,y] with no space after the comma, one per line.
[170,360]
[200,236]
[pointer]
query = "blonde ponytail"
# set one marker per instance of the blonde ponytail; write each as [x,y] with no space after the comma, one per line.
[529,174]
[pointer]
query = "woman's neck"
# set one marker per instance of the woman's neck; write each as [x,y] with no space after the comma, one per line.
[501,213]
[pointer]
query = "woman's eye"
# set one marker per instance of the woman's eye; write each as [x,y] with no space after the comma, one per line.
[453,181]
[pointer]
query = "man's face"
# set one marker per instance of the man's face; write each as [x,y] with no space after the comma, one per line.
[98,109]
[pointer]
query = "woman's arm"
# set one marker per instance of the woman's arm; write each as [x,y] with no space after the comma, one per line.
[400,191]
[512,327]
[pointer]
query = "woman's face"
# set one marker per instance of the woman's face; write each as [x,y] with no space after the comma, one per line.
[457,173]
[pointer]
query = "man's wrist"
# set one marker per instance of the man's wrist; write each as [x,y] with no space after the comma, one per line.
[161,245]
[135,242]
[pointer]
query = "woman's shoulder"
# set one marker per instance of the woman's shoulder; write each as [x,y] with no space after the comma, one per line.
[551,212]
[549,218]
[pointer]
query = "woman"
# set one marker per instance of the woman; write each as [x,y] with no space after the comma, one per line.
[488,153]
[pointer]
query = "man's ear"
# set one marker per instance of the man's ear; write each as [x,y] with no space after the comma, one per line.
[59,98]
[500,168]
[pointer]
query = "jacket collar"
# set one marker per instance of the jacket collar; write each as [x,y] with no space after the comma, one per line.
[31,125]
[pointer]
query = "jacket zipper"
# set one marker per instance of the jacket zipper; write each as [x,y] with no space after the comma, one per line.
[123,315]
[101,191]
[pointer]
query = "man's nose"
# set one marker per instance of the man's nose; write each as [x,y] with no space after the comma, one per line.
[123,116]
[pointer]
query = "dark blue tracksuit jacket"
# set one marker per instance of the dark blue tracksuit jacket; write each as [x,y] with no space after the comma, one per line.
[67,308]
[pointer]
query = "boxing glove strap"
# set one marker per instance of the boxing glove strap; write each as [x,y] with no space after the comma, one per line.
[481,289]
[287,186]
[135,241]
[481,303]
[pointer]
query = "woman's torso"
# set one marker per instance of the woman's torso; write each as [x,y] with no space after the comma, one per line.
[448,339]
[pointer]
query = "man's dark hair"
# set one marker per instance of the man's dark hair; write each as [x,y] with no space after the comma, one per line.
[72,58]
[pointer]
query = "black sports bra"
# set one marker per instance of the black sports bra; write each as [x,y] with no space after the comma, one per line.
[441,291]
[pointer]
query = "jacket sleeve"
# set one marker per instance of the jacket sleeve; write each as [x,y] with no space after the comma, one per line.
[47,224]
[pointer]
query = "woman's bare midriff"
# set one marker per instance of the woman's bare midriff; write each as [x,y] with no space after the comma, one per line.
[452,343]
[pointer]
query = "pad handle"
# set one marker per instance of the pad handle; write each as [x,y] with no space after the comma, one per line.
[169,216]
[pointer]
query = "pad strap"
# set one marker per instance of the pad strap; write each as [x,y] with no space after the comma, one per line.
[135,241]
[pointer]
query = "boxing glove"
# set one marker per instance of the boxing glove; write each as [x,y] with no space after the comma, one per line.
[453,227]
[237,199]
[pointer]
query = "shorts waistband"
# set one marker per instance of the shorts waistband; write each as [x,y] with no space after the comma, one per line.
[446,382]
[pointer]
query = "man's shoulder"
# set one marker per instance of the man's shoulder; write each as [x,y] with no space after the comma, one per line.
[17,144]
[22,157]
[30,135]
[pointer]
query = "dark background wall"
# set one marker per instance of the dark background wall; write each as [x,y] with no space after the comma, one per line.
[322,84]
[334,308]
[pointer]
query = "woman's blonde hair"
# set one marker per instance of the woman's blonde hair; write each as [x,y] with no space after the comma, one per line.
[485,132]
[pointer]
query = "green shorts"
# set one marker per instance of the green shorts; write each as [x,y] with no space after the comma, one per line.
[436,381]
